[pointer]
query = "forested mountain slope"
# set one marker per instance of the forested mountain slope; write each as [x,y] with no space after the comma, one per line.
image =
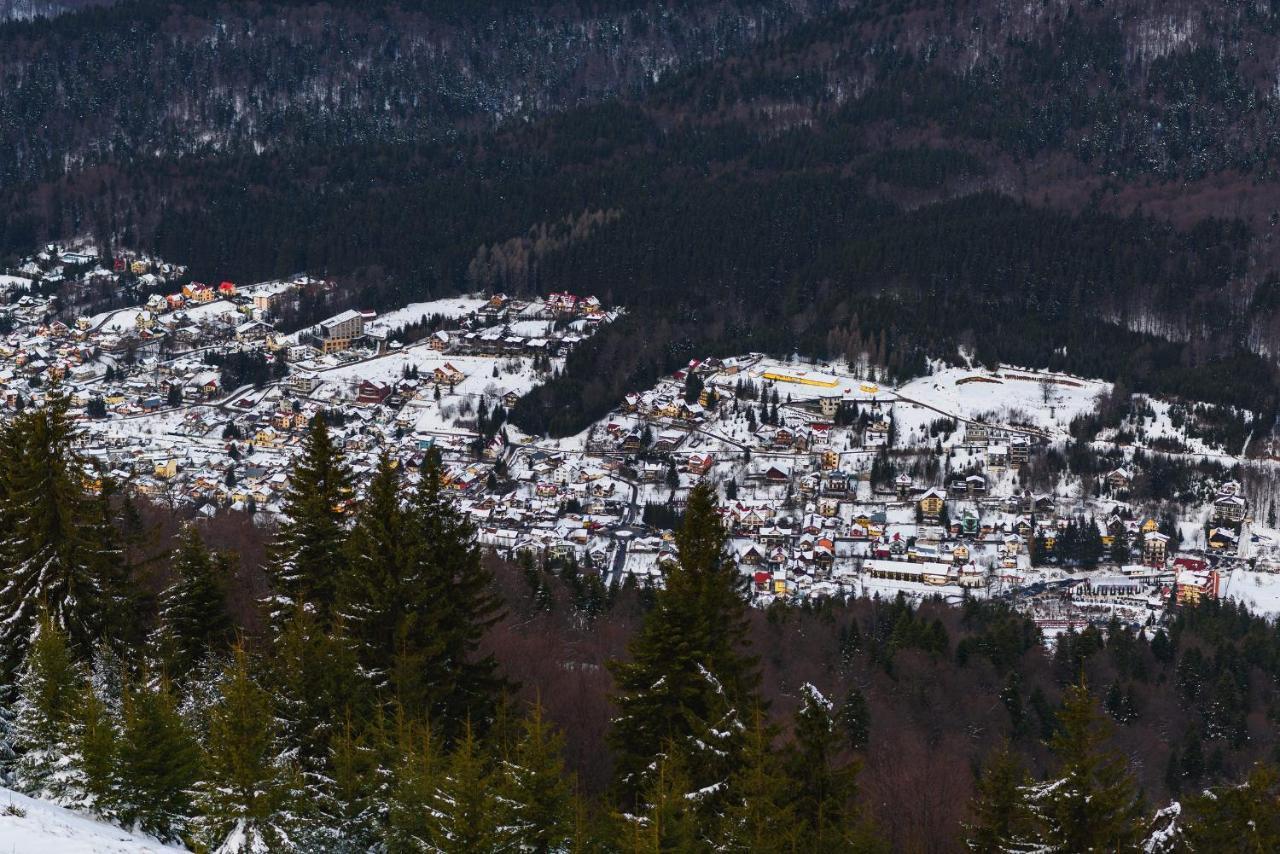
[1084,184]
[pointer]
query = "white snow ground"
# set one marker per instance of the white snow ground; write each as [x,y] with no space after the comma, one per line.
[30,826]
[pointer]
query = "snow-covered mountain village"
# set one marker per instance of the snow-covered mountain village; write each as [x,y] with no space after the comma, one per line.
[1065,494]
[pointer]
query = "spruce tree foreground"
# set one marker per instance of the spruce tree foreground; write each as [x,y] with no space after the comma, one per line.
[368,715]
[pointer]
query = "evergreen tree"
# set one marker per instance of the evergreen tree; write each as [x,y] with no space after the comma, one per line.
[537,793]
[305,557]
[48,694]
[413,786]
[448,604]
[315,680]
[95,737]
[194,621]
[668,821]
[465,811]
[689,678]
[1092,805]
[759,816]
[58,549]
[246,798]
[824,788]
[1244,818]
[1003,820]
[352,804]
[159,762]
[377,594]
[855,717]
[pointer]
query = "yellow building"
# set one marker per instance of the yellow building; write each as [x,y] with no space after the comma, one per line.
[799,378]
[932,502]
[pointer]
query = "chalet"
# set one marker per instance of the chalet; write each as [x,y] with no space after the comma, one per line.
[775,474]
[206,384]
[699,464]
[1222,540]
[448,373]
[253,330]
[932,503]
[1120,479]
[667,441]
[902,486]
[835,483]
[371,393]
[439,341]
[997,456]
[562,304]
[876,435]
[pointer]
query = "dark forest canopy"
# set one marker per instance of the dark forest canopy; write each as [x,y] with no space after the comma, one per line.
[825,180]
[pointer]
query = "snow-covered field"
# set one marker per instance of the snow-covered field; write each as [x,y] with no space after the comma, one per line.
[414,312]
[29,826]
[1260,591]
[1009,396]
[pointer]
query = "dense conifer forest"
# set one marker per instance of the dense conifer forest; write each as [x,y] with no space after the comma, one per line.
[898,180]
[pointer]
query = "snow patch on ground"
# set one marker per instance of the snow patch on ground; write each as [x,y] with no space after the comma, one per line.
[30,826]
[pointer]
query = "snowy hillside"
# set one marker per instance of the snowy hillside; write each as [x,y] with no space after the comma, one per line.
[29,826]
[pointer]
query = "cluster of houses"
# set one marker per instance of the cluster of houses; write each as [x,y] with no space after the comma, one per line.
[819,495]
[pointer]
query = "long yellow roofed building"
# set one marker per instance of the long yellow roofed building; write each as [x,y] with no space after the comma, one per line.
[800,378]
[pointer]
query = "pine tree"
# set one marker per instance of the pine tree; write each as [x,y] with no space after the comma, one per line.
[57,547]
[413,786]
[159,762]
[1003,820]
[824,788]
[689,677]
[316,685]
[95,737]
[48,694]
[449,604]
[194,621]
[855,718]
[465,811]
[305,557]
[1092,805]
[759,816]
[247,796]
[352,802]
[376,593]
[668,822]
[1244,818]
[537,793]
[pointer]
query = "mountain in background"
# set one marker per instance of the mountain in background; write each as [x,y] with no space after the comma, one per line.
[1088,186]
